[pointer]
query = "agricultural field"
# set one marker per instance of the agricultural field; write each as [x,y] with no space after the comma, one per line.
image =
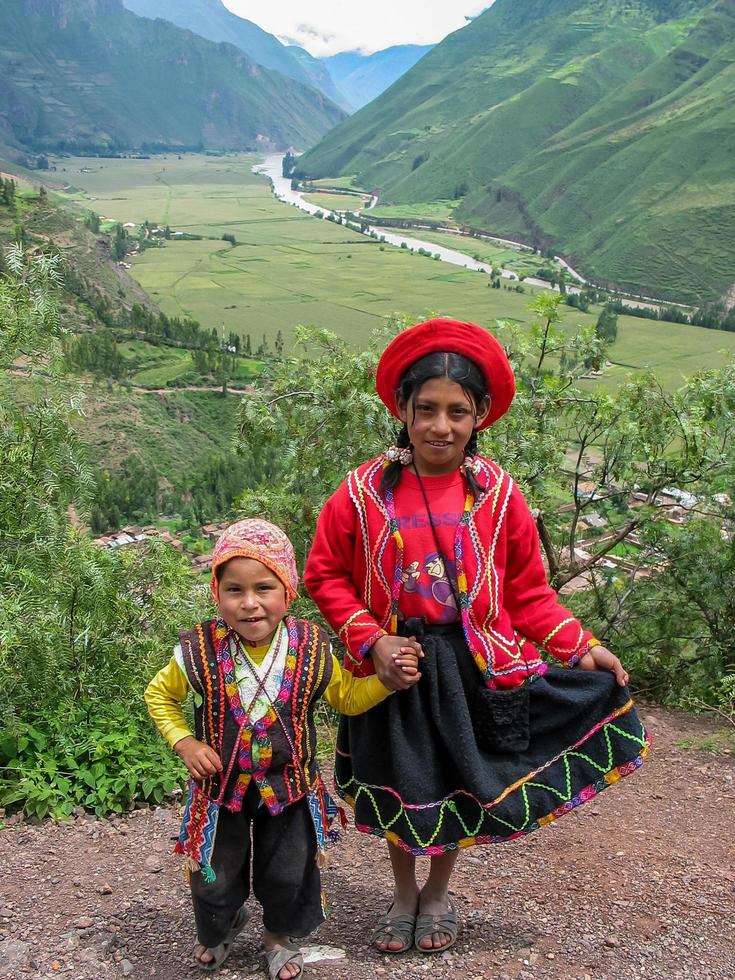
[289,268]
[337,202]
[158,366]
[426,211]
[345,183]
[522,262]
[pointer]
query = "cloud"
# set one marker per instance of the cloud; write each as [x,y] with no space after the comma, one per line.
[314,33]
[346,25]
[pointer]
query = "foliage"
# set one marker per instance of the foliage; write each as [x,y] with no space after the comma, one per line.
[607,325]
[80,627]
[97,755]
[574,450]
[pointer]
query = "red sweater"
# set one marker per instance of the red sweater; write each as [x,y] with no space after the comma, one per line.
[357,561]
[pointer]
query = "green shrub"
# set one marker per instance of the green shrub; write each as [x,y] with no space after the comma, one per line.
[98,755]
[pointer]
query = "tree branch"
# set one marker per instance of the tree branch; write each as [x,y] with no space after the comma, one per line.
[575,569]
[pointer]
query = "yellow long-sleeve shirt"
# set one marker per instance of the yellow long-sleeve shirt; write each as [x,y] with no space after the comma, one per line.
[169,689]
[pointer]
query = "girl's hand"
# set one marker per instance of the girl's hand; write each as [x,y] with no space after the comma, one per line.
[409,664]
[600,658]
[386,654]
[201,760]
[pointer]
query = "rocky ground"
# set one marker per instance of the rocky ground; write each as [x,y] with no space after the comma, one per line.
[638,883]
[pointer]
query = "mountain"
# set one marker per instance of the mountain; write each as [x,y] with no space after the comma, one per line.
[362,77]
[90,76]
[604,129]
[212,20]
[319,77]
[350,79]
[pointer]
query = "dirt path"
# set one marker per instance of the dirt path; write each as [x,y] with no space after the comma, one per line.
[639,883]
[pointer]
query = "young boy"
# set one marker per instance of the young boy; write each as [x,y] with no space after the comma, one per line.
[255,674]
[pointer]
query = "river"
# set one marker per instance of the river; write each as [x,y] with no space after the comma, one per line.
[272,168]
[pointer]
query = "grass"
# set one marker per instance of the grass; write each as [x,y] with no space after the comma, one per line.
[427,211]
[289,268]
[176,429]
[338,202]
[720,742]
[348,183]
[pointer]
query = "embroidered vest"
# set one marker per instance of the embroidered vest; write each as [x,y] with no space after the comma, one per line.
[263,745]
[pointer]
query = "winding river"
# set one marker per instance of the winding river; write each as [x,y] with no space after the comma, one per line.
[272,169]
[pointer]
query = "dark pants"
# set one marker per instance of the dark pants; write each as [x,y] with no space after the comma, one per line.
[286,878]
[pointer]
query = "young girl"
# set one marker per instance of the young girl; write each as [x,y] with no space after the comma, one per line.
[434,541]
[255,674]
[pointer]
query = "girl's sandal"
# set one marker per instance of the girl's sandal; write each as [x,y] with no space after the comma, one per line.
[276,959]
[223,950]
[426,925]
[400,927]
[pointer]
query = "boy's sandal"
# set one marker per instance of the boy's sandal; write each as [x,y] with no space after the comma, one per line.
[400,927]
[276,959]
[446,923]
[223,950]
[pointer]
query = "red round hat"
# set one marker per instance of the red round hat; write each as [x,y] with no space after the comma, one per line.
[453,337]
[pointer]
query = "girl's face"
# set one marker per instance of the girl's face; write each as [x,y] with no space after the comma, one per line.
[252,600]
[440,424]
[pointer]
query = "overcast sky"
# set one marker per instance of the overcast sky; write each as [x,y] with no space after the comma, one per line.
[325,27]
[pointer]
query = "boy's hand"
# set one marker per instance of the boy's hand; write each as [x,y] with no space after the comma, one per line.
[387,651]
[201,760]
[600,658]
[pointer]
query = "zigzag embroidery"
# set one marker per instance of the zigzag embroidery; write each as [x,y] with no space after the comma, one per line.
[569,800]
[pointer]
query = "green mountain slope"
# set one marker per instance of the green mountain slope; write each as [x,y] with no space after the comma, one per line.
[88,75]
[211,19]
[605,130]
[318,75]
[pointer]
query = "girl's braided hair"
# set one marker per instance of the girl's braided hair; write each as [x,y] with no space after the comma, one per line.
[440,364]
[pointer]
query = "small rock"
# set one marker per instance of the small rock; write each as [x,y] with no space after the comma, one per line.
[127,967]
[105,890]
[153,864]
[84,922]
[612,943]
[551,956]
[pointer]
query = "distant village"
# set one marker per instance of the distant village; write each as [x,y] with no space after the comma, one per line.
[595,528]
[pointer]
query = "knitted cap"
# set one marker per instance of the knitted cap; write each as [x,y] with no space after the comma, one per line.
[263,541]
[452,337]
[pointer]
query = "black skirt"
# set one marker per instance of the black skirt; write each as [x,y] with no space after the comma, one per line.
[413,772]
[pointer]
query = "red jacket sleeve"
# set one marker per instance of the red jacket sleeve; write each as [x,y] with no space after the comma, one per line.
[330,575]
[533,606]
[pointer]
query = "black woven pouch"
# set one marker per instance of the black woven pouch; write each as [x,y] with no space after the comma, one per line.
[502,719]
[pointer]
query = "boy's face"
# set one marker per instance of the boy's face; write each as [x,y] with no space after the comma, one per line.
[252,600]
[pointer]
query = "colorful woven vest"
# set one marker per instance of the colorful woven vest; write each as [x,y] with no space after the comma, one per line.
[259,751]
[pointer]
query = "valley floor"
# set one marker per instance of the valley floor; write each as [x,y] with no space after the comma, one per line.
[639,883]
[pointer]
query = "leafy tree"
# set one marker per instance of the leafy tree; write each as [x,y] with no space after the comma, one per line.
[92,221]
[606,327]
[119,243]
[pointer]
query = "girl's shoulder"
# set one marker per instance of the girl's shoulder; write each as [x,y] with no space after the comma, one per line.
[368,470]
[491,475]
[364,475]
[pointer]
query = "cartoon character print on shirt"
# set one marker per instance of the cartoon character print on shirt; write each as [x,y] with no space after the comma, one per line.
[429,580]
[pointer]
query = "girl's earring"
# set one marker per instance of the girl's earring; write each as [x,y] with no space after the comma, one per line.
[398,454]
